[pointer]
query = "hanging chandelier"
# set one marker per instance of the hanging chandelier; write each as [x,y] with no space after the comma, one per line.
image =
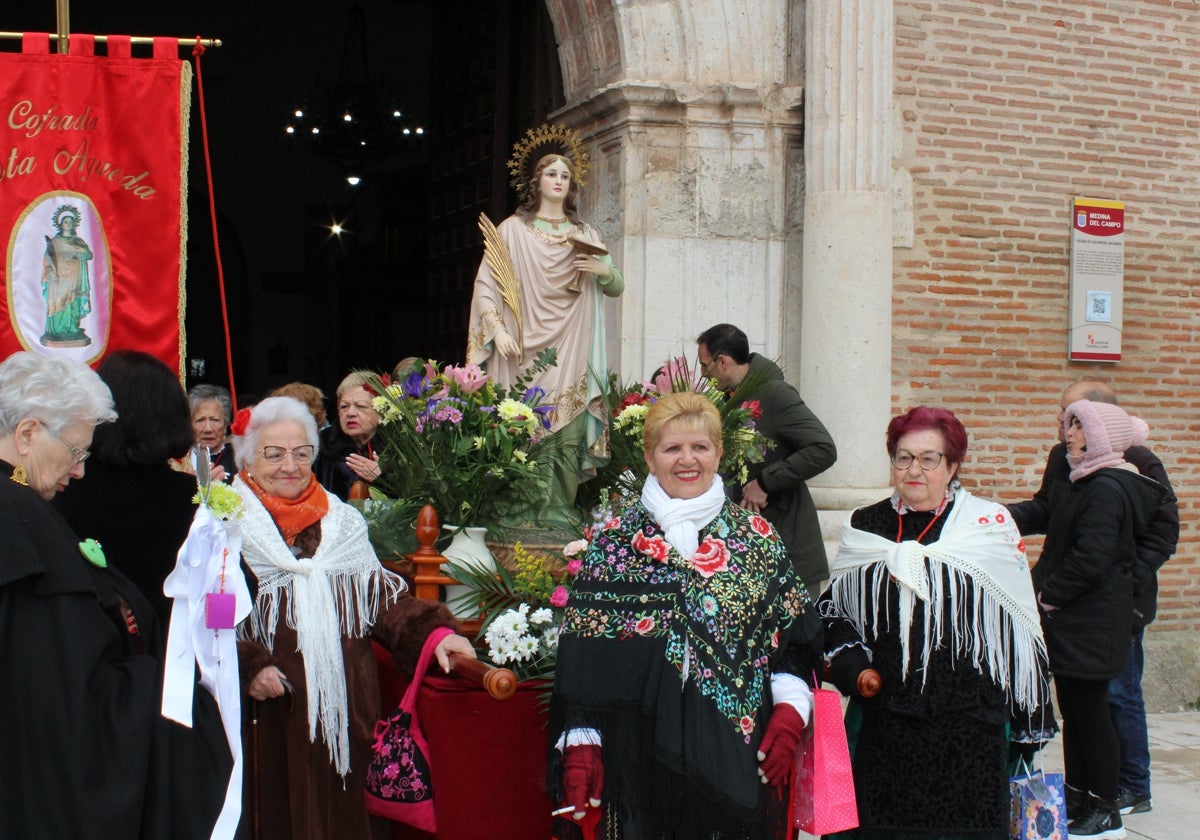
[354,125]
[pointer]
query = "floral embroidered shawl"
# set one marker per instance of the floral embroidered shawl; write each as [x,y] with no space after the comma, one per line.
[686,644]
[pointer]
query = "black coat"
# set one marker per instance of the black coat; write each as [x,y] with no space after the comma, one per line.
[80,695]
[330,466]
[141,516]
[1155,544]
[804,449]
[1087,570]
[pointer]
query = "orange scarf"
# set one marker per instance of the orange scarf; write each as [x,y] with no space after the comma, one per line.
[291,516]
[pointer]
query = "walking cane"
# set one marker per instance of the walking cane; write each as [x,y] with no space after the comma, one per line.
[254,766]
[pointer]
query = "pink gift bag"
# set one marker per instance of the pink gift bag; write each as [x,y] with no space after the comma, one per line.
[823,799]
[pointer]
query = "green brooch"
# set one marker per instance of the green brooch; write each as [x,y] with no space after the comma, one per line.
[91,549]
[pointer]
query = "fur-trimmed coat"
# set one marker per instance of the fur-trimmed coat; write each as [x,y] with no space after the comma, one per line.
[290,785]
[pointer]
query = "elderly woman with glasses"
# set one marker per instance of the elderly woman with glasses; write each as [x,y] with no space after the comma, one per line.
[80,681]
[931,588]
[305,655]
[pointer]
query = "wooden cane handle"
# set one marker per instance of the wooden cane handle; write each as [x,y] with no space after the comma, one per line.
[499,683]
[869,682]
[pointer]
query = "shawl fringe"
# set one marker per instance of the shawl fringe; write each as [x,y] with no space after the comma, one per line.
[337,592]
[974,562]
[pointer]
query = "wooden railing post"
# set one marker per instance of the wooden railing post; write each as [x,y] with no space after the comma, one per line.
[427,565]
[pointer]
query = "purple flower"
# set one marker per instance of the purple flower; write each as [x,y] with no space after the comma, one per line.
[543,413]
[414,385]
[533,396]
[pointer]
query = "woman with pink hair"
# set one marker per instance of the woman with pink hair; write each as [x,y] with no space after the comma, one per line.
[931,588]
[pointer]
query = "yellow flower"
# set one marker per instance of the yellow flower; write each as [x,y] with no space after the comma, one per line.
[513,411]
[519,455]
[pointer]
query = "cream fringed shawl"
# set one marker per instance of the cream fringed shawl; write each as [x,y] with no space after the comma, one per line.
[983,552]
[336,592]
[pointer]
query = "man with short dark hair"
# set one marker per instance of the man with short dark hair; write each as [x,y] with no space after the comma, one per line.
[1155,545]
[803,447]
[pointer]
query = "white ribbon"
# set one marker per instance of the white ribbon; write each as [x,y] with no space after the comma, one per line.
[211,545]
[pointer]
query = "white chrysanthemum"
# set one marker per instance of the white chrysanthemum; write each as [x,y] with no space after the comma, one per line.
[527,647]
[542,615]
[511,622]
[550,638]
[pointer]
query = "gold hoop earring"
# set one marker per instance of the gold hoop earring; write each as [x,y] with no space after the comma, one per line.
[20,476]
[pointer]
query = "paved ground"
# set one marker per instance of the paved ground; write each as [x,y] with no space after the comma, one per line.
[1175,772]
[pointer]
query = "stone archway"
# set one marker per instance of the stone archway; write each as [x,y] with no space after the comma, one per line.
[712,197]
[693,111]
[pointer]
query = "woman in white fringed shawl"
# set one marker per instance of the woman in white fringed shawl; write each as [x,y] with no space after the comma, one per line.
[931,588]
[305,651]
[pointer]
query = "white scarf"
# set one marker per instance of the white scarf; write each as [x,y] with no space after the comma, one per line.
[335,593]
[682,519]
[984,553]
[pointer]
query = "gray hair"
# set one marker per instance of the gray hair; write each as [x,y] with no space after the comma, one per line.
[53,390]
[270,411]
[206,393]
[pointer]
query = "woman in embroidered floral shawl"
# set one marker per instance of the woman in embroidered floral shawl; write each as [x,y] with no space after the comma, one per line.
[685,653]
[305,655]
[931,588]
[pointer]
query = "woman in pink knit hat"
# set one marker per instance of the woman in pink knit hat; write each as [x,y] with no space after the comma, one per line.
[1084,585]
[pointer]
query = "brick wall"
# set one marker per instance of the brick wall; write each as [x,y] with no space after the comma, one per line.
[1008,111]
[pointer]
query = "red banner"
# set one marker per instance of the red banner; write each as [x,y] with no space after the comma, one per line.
[93,185]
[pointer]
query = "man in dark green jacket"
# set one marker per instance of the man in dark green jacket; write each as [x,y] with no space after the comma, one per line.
[803,447]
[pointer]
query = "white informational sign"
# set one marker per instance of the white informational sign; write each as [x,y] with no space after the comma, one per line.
[1097,280]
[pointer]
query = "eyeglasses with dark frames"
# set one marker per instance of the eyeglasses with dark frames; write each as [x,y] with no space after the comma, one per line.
[902,460]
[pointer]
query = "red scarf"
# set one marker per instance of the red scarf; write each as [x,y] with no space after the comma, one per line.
[292,516]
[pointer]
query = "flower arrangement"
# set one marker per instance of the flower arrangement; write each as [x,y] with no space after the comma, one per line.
[449,436]
[221,499]
[522,609]
[628,405]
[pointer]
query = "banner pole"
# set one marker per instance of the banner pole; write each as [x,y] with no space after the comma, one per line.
[64,25]
[103,39]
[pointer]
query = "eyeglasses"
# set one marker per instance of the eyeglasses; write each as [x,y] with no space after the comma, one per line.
[277,454]
[927,460]
[77,452]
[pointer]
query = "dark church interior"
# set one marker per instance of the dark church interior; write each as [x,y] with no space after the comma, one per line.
[307,300]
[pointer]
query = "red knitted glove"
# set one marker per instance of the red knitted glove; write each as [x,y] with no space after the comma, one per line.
[777,752]
[583,777]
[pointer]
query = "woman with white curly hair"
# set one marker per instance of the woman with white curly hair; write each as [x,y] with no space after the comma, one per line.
[305,655]
[81,684]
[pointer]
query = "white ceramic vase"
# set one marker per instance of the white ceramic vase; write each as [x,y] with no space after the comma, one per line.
[467,548]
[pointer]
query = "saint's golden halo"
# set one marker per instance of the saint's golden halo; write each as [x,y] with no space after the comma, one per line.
[544,140]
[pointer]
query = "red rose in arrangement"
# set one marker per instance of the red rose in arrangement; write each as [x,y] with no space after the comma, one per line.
[753,409]
[761,526]
[655,547]
[711,557]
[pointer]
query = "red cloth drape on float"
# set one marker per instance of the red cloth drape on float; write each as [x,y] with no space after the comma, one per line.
[93,181]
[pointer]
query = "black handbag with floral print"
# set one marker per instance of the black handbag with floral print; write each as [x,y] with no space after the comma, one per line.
[399,783]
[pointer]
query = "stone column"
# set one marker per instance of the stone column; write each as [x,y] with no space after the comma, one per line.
[845,370]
